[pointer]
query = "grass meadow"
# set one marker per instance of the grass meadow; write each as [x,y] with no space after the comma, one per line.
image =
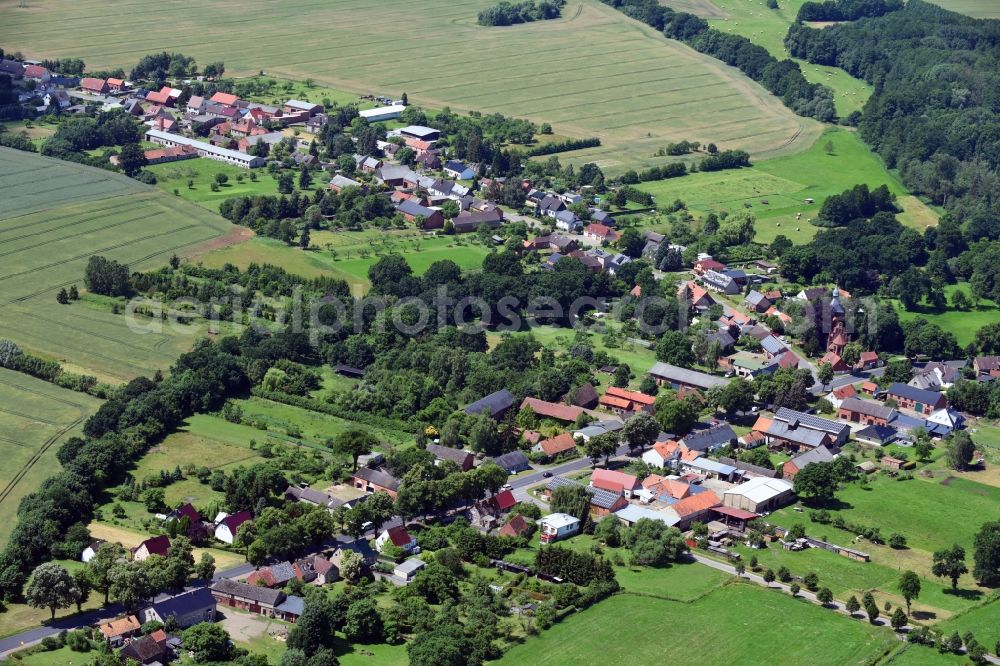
[47,235]
[963,323]
[933,513]
[603,74]
[736,624]
[786,182]
[768,27]
[349,254]
[35,419]
[174,176]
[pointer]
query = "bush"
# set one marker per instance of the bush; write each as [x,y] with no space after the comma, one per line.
[77,642]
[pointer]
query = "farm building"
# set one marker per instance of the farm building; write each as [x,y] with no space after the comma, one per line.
[233,157]
[381,113]
[185,609]
[494,405]
[251,598]
[857,410]
[677,377]
[759,495]
[795,465]
[916,399]
[373,480]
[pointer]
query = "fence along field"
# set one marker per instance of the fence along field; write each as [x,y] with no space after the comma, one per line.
[35,418]
[50,225]
[593,72]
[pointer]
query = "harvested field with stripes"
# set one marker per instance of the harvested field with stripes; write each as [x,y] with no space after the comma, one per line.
[593,72]
[35,419]
[55,215]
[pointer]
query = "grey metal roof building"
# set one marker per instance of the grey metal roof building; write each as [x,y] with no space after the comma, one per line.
[709,438]
[494,404]
[682,376]
[819,454]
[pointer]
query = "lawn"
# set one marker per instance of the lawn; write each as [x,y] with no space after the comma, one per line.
[348,254]
[174,176]
[604,74]
[983,621]
[786,182]
[846,577]
[963,323]
[639,358]
[35,419]
[47,235]
[737,624]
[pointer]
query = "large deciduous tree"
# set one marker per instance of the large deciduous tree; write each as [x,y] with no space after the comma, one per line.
[51,586]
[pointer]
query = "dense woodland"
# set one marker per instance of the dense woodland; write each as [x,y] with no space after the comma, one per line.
[935,110]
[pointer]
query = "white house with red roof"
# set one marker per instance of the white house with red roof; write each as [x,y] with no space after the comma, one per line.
[157,545]
[397,536]
[225,529]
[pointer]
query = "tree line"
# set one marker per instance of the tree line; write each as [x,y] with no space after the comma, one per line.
[783,78]
[846,10]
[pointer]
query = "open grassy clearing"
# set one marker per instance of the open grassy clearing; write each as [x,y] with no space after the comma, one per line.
[768,27]
[35,419]
[54,217]
[982,9]
[738,624]
[172,176]
[847,577]
[786,182]
[316,428]
[348,255]
[931,513]
[963,323]
[605,74]
[131,538]
[983,621]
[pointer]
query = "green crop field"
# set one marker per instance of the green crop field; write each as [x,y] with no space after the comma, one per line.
[983,9]
[54,216]
[768,27]
[786,182]
[736,624]
[593,72]
[35,419]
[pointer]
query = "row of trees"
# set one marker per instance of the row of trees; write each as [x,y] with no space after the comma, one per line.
[783,78]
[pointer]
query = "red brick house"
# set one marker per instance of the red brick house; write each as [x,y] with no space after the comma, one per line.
[92,85]
[373,481]
[857,410]
[916,399]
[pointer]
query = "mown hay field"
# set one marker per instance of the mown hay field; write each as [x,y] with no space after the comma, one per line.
[35,419]
[55,215]
[737,624]
[593,72]
[768,27]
